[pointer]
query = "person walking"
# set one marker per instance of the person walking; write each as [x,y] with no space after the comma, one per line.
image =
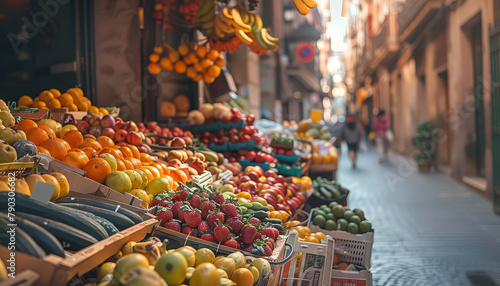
[381,126]
[352,133]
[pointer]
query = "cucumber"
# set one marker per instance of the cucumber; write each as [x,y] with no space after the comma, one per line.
[108,226]
[272,220]
[43,238]
[266,209]
[112,207]
[71,238]
[325,193]
[58,213]
[23,243]
[278,226]
[260,214]
[120,221]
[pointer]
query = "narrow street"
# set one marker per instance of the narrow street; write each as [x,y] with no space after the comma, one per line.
[429,229]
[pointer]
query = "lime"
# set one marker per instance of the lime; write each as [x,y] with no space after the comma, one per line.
[336,194]
[324,208]
[348,215]
[333,204]
[359,213]
[365,226]
[330,225]
[338,211]
[342,224]
[330,216]
[347,209]
[320,212]
[352,228]
[355,219]
[319,220]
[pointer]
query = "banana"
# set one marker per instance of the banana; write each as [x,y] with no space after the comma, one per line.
[243,37]
[148,249]
[227,13]
[310,3]
[205,7]
[257,36]
[224,26]
[257,24]
[245,18]
[301,7]
[269,38]
[239,22]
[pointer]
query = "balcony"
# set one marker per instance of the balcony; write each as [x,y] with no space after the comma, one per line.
[385,44]
[414,15]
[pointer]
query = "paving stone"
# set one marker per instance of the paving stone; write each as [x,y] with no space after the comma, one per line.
[429,229]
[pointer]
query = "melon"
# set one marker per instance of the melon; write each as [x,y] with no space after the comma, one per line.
[304,125]
[167,109]
[182,103]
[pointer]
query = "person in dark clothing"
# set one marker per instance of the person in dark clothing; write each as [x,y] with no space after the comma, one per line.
[380,126]
[352,133]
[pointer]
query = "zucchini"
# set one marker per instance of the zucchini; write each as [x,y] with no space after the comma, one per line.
[260,214]
[112,207]
[325,193]
[43,238]
[71,238]
[23,243]
[278,226]
[272,220]
[120,221]
[58,213]
[108,226]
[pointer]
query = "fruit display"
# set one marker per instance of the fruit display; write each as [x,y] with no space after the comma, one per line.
[327,155]
[196,62]
[327,189]
[313,130]
[304,6]
[214,217]
[150,262]
[337,217]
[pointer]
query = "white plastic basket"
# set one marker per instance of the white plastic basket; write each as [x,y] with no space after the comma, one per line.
[351,278]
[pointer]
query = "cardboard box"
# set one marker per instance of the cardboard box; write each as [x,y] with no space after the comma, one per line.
[55,270]
[58,114]
[78,183]
[39,115]
[316,263]
[351,278]
[25,278]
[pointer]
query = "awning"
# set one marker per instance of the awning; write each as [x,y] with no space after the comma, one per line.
[303,76]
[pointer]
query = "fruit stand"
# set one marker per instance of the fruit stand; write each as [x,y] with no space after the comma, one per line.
[199,197]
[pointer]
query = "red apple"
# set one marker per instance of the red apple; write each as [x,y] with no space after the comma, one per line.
[270,199]
[134,138]
[142,149]
[107,121]
[122,144]
[109,132]
[86,118]
[121,135]
[254,176]
[235,139]
[178,142]
[232,183]
[260,158]
[270,173]
[118,124]
[251,156]
[95,118]
[301,197]
[245,179]
[95,130]
[271,180]
[151,125]
[83,127]
[280,179]
[248,187]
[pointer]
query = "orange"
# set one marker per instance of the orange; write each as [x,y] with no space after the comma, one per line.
[159,168]
[183,50]
[42,150]
[126,152]
[242,277]
[165,168]
[166,64]
[90,136]
[180,67]
[72,107]
[25,101]
[177,175]
[36,135]
[128,164]
[154,58]
[77,150]
[116,153]
[55,147]
[318,235]
[74,138]
[154,68]
[148,173]
[173,56]
[205,63]
[65,144]
[213,55]
[89,151]
[54,103]
[55,92]
[154,171]
[87,142]
[145,158]
[105,141]
[193,58]
[342,266]
[198,67]
[220,62]
[82,105]
[120,165]
[39,105]
[76,159]
[201,51]
[46,96]
[170,182]
[312,238]
[66,100]
[191,72]
[214,71]
[136,162]
[49,131]
[97,169]
[136,153]
[26,125]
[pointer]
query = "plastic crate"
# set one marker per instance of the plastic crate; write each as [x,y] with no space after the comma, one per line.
[351,278]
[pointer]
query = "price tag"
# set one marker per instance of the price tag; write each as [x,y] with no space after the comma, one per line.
[42,192]
[68,119]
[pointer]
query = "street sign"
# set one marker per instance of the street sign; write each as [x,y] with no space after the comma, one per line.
[305,52]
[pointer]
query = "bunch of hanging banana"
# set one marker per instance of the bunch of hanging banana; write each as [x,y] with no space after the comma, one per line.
[229,22]
[205,16]
[264,40]
[304,6]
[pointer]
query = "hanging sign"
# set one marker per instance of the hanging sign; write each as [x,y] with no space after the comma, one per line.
[305,52]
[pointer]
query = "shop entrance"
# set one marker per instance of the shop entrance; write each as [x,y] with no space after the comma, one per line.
[495,114]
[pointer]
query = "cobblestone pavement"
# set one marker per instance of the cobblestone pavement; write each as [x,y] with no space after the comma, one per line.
[429,229]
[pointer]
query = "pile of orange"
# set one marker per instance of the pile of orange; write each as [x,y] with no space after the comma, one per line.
[197,62]
[73,99]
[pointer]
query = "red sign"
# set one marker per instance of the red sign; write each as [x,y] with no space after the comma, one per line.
[305,52]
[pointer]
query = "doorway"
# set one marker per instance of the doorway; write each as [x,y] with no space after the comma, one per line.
[477,59]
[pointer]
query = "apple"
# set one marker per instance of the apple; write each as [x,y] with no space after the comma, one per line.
[83,127]
[235,139]
[134,138]
[271,180]
[251,156]
[109,132]
[122,144]
[141,125]
[248,186]
[95,118]
[232,183]
[118,124]
[95,130]
[233,131]
[254,176]
[245,138]
[149,140]
[260,158]
[280,207]
[142,149]
[86,118]
[121,135]
[301,197]
[151,125]
[259,171]
[245,179]
[235,179]
[270,199]
[225,120]
[280,179]
[107,121]
[270,173]
[178,142]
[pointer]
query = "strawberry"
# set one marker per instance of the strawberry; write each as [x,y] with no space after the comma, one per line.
[218,198]
[165,204]
[214,217]
[205,207]
[192,218]
[154,203]
[195,201]
[203,227]
[229,210]
[189,230]
[233,235]
[177,197]
[247,248]
[231,243]
[205,195]
[173,225]
[258,235]
[267,252]
[248,232]
[221,233]
[235,224]
[184,195]
[269,232]
[176,207]
[276,233]
[180,215]
[253,220]
[271,242]
[164,216]
[208,237]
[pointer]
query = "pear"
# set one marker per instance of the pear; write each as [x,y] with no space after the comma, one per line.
[7,153]
[7,119]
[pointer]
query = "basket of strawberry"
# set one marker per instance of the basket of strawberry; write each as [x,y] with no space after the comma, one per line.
[201,218]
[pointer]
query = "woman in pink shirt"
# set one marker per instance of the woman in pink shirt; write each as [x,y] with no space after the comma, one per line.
[380,126]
